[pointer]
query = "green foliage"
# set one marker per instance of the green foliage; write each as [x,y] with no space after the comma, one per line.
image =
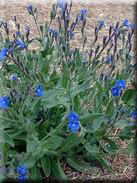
[34,127]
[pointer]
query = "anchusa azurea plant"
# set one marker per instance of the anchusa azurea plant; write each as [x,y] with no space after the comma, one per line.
[55,104]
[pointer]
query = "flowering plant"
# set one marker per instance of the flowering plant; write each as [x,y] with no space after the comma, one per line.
[54,103]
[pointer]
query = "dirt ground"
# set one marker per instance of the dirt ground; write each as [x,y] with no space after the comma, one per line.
[123,165]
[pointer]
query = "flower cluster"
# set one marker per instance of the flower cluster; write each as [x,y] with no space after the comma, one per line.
[101,24]
[60,4]
[108,59]
[129,26]
[20,44]
[73,124]
[39,91]
[133,115]
[21,170]
[3,53]
[4,102]
[14,77]
[17,33]
[83,12]
[119,86]
[30,9]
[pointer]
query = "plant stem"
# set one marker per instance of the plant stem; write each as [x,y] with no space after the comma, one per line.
[37,27]
[97,55]
[53,131]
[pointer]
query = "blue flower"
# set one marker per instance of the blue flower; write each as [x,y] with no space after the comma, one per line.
[27,30]
[60,4]
[39,91]
[50,30]
[4,101]
[4,50]
[14,18]
[126,24]
[81,17]
[21,170]
[83,11]
[121,84]
[108,59]
[20,44]
[131,122]
[72,117]
[17,33]
[73,124]
[101,24]
[11,50]
[115,91]
[29,8]
[3,53]
[71,34]
[14,77]
[73,127]
[133,115]
[21,177]
[131,26]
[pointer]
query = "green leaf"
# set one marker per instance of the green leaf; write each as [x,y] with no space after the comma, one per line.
[53,143]
[35,104]
[122,53]
[81,76]
[104,164]
[131,149]
[65,76]
[80,166]
[47,51]
[128,94]
[1,87]
[76,103]
[97,123]
[54,77]
[46,166]
[57,101]
[126,133]
[111,142]
[110,109]
[30,161]
[64,177]
[65,80]
[92,149]
[39,176]
[90,117]
[56,170]
[78,59]
[50,94]
[34,172]
[108,149]
[91,94]
[121,123]
[99,87]
[20,135]
[79,88]
[71,141]
[6,138]
[31,145]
